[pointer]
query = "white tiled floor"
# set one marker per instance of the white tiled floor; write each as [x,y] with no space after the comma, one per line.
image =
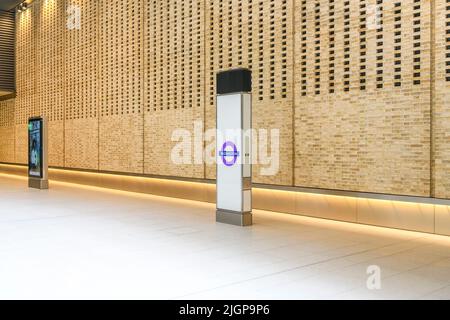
[81,242]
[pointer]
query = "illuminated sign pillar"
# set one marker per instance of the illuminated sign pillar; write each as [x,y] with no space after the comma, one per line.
[37,153]
[234,170]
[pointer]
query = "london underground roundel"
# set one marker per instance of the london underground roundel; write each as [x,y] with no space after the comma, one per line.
[229,154]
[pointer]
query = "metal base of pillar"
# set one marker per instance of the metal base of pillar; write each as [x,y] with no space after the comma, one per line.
[37,184]
[242,219]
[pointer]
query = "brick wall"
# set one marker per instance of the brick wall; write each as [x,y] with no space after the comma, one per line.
[7,129]
[353,99]
[441,100]
[174,81]
[81,88]
[362,117]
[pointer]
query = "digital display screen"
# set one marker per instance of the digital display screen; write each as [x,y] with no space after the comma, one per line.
[35,147]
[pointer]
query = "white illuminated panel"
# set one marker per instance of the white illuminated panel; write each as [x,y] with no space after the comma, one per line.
[229,153]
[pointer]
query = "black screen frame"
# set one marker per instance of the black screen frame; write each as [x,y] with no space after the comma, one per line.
[41,151]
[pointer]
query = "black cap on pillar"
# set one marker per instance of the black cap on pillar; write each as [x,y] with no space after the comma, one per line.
[234,81]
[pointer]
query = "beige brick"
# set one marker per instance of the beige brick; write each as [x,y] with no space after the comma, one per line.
[115,89]
[353,138]
[7,131]
[81,89]
[441,97]
[174,81]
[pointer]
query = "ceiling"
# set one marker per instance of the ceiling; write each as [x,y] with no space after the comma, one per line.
[7,5]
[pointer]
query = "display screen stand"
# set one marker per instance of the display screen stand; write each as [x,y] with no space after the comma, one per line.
[37,153]
[233,155]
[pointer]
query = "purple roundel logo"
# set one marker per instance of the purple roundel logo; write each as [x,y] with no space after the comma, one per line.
[229,153]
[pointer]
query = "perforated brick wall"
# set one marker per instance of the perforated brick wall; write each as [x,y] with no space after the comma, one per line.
[174,82]
[7,128]
[81,85]
[26,79]
[347,83]
[362,117]
[441,99]
[121,73]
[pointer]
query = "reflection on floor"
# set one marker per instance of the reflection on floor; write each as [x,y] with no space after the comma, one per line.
[81,242]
